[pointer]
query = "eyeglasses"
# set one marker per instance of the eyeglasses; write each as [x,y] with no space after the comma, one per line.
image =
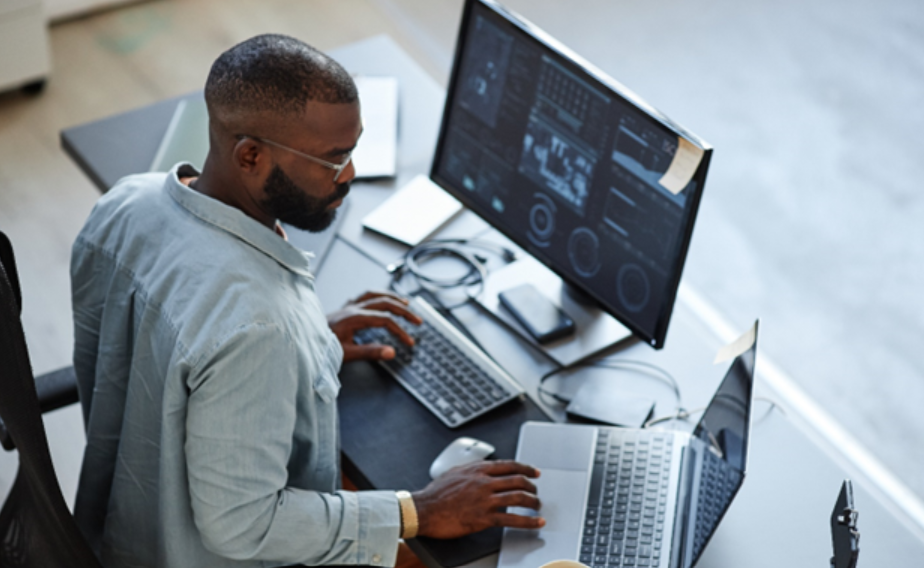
[338,168]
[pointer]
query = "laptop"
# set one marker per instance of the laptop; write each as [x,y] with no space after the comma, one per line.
[615,497]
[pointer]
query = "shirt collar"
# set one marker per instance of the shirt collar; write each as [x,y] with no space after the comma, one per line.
[236,222]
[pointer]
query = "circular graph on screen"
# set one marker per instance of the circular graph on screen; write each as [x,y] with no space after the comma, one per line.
[584,252]
[542,220]
[633,287]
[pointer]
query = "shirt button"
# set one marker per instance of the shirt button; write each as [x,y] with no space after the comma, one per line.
[376,559]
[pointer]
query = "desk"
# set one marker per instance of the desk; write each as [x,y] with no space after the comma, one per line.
[780,517]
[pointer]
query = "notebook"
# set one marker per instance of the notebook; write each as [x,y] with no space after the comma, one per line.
[414,213]
[376,155]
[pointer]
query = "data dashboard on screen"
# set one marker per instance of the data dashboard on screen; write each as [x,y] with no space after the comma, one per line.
[570,165]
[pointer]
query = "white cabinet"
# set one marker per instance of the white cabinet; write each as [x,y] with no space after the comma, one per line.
[24,55]
[59,10]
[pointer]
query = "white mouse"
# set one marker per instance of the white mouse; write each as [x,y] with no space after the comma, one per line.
[460,451]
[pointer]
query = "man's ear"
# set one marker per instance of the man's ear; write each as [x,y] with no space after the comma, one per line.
[253,164]
[249,156]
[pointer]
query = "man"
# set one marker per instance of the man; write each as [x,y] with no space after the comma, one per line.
[207,370]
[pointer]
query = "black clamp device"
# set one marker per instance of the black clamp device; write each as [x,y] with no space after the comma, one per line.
[845,537]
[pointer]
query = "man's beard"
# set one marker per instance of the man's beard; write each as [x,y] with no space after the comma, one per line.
[288,203]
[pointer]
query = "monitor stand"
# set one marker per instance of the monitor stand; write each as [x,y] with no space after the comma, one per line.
[597,331]
[578,296]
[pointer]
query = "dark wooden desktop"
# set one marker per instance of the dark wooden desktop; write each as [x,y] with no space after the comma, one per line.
[780,517]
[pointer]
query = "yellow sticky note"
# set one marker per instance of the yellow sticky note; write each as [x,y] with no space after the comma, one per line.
[683,166]
[738,346]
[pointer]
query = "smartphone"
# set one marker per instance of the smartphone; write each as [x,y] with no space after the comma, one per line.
[543,320]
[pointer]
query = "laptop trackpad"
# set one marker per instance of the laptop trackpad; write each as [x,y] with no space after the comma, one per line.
[530,549]
[557,446]
[562,495]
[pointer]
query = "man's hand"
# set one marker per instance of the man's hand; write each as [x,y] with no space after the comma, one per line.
[471,498]
[372,309]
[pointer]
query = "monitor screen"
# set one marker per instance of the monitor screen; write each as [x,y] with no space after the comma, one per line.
[569,165]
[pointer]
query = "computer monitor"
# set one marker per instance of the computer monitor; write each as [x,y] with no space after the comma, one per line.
[571,166]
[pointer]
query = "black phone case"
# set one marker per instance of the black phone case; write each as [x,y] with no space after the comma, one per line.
[563,329]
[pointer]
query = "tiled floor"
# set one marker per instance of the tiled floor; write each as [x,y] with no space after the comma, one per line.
[812,217]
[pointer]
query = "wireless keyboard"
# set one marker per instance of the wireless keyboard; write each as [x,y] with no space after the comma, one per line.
[444,370]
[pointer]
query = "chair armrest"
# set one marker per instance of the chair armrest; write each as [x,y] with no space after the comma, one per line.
[55,390]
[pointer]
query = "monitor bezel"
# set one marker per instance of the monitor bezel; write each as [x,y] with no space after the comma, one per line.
[604,81]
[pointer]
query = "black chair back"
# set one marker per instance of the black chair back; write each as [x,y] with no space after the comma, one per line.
[36,527]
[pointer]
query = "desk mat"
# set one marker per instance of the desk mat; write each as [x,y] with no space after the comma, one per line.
[389,441]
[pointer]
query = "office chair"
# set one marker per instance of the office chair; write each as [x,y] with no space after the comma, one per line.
[36,527]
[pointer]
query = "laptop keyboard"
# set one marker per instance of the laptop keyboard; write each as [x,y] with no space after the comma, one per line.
[624,522]
[451,377]
[718,483]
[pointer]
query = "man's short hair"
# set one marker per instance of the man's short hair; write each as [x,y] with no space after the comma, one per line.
[275,73]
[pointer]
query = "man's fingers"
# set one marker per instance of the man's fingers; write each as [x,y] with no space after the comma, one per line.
[379,294]
[370,352]
[367,320]
[513,483]
[516,499]
[393,306]
[509,467]
[398,331]
[517,521]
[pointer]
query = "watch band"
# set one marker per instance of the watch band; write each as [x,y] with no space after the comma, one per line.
[409,524]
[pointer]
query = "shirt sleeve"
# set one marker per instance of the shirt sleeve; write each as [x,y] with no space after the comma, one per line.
[87,304]
[241,417]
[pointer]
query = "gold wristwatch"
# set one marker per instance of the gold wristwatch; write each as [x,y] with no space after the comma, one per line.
[409,524]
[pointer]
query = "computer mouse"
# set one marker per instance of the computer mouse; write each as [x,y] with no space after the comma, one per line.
[460,451]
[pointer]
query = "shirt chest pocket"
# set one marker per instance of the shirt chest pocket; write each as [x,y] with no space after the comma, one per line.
[327,385]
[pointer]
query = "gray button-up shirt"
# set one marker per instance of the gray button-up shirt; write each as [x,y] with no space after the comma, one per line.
[208,380]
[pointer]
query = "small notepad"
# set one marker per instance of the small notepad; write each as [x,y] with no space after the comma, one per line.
[376,154]
[414,213]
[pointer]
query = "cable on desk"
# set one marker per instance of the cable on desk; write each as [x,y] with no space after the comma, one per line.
[475,276]
[773,405]
[681,414]
[642,367]
[413,258]
[684,414]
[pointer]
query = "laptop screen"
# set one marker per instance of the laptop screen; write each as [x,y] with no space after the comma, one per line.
[724,425]
[724,429]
